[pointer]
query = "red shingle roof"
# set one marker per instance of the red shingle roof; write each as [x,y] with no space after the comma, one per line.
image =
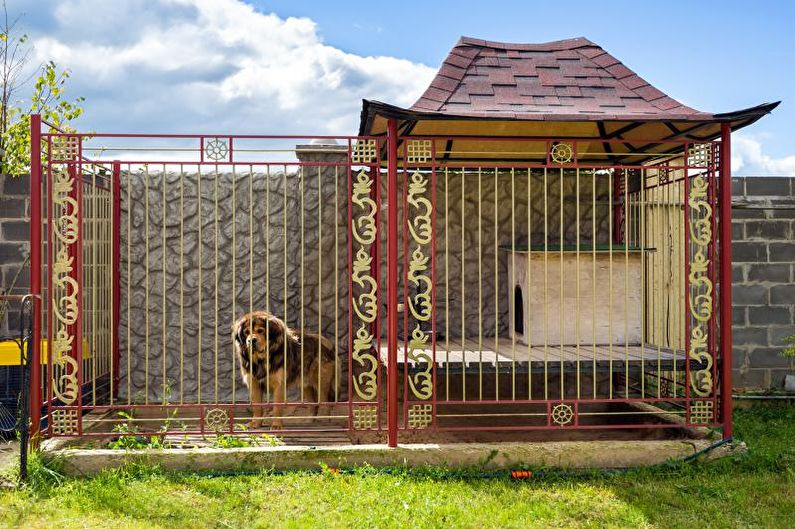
[571,79]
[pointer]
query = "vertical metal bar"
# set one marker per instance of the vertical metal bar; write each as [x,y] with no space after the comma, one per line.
[496,290]
[561,240]
[336,282]
[480,284]
[215,280]
[725,250]
[526,285]
[611,230]
[546,283]
[116,276]
[320,398]
[200,285]
[129,285]
[93,219]
[234,275]
[686,283]
[51,296]
[447,283]
[301,182]
[146,271]
[392,283]
[463,293]
[593,276]
[166,389]
[182,283]
[627,234]
[512,284]
[577,273]
[35,275]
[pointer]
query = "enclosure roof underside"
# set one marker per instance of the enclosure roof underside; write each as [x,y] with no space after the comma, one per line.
[567,89]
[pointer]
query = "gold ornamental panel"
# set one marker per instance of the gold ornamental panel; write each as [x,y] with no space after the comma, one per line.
[365,418]
[419,151]
[364,297]
[420,416]
[700,287]
[419,214]
[365,151]
[65,422]
[702,412]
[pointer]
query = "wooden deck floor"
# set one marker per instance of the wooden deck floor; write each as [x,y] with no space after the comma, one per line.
[513,354]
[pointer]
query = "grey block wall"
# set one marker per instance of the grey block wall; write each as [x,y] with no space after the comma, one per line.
[14,247]
[763,270]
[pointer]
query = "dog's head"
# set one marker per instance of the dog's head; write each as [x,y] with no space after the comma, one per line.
[258,334]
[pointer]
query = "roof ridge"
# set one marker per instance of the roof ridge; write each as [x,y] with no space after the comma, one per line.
[563,44]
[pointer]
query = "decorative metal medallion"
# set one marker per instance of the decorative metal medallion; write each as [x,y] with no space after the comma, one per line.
[365,418]
[699,155]
[420,227]
[700,286]
[419,151]
[562,414]
[216,420]
[562,153]
[216,149]
[365,151]
[65,307]
[364,298]
[65,422]
[420,415]
[702,412]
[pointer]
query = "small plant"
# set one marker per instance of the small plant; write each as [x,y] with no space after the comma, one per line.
[789,352]
[131,438]
[245,441]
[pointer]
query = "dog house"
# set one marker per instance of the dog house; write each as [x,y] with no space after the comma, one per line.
[541,243]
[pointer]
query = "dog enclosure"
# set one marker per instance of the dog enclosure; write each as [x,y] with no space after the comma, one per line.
[475,273]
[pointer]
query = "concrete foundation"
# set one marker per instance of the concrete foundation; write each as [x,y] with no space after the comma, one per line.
[483,456]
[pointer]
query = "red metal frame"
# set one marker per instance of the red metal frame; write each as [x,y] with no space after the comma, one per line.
[725,303]
[35,273]
[392,283]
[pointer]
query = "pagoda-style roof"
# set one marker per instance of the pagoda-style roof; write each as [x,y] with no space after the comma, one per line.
[566,88]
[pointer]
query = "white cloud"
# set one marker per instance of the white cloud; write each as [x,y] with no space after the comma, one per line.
[212,65]
[748,159]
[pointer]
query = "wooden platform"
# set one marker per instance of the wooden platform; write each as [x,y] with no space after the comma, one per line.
[509,355]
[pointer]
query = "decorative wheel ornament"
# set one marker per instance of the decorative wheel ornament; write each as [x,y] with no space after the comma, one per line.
[216,420]
[562,414]
[562,153]
[216,149]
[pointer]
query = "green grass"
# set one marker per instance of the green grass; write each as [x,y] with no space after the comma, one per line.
[753,490]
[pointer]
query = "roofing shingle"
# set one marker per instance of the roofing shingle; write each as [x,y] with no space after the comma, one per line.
[545,81]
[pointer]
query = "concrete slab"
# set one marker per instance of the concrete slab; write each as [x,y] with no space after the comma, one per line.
[486,456]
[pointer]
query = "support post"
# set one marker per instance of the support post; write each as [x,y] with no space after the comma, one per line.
[35,275]
[725,250]
[392,284]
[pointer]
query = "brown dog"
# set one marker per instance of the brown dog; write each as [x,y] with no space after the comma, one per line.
[273,356]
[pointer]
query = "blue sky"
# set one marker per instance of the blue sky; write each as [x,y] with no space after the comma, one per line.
[286,66]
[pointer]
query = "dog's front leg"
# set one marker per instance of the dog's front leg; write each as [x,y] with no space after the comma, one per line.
[256,402]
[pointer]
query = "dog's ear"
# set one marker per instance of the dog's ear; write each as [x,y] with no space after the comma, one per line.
[240,331]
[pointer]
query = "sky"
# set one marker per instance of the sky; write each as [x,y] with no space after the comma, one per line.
[280,67]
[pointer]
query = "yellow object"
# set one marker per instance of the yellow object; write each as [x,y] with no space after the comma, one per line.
[9,352]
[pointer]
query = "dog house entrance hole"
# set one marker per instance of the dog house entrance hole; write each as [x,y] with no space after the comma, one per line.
[518,312]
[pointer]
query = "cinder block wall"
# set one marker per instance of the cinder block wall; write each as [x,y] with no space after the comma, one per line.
[763,276]
[14,247]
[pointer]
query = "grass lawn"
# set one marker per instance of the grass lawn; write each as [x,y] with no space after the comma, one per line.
[753,490]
